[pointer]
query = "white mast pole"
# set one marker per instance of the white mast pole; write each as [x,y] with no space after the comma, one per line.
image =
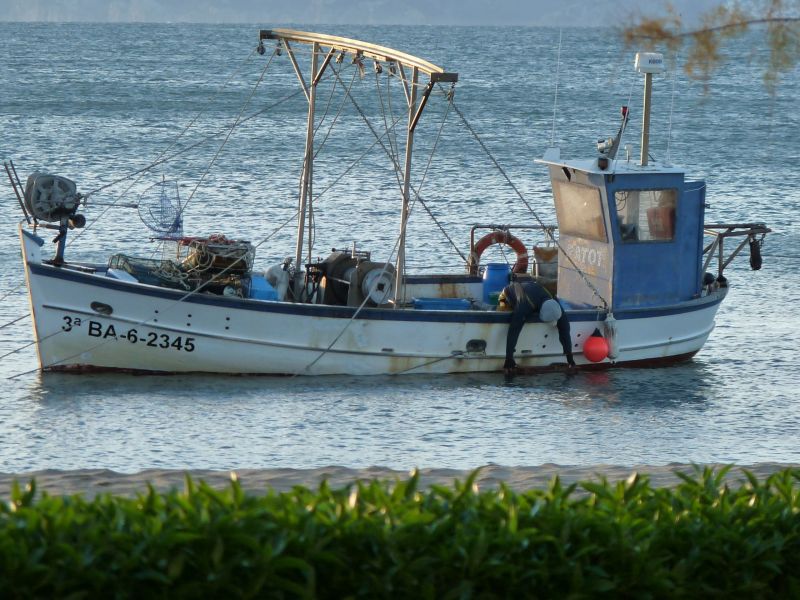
[648,63]
[308,164]
[648,88]
[399,294]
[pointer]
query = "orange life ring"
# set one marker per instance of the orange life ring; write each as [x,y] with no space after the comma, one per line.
[499,237]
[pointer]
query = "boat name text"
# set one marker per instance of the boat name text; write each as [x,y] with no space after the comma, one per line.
[149,339]
[587,257]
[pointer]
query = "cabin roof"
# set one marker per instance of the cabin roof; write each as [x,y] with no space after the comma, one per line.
[620,166]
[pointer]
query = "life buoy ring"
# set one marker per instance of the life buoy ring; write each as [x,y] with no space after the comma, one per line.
[499,237]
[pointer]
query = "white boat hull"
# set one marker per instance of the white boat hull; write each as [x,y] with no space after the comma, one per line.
[87,321]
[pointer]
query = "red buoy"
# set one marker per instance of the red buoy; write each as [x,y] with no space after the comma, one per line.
[595,348]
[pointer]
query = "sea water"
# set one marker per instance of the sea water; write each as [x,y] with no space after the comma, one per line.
[98,102]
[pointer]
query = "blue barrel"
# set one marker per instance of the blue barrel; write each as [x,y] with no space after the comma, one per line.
[495,277]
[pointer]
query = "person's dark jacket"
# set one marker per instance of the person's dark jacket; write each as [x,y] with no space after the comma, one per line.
[522,309]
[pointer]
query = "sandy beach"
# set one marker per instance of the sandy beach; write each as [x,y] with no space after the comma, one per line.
[91,482]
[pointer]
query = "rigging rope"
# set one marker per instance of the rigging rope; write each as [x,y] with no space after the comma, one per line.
[230,131]
[163,152]
[394,249]
[393,138]
[672,104]
[393,154]
[397,175]
[529,207]
[191,293]
[145,321]
[185,149]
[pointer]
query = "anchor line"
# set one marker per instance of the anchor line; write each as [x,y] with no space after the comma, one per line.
[519,194]
[11,291]
[145,321]
[13,321]
[292,218]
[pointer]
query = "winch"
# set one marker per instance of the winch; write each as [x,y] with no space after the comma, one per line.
[349,277]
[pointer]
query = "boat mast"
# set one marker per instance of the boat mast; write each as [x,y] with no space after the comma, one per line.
[308,163]
[648,63]
[360,50]
[399,294]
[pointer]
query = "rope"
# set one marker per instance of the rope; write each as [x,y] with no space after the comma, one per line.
[393,155]
[397,175]
[208,138]
[625,125]
[11,291]
[161,154]
[189,126]
[555,97]
[672,105]
[338,112]
[528,206]
[456,354]
[14,321]
[393,138]
[394,249]
[311,220]
[145,321]
[230,131]
[188,295]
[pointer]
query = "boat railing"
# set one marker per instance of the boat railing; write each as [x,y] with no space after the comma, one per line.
[746,234]
[506,237]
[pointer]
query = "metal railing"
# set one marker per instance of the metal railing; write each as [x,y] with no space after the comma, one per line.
[751,234]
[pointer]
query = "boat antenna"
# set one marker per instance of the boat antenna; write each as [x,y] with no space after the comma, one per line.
[555,98]
[672,103]
[647,63]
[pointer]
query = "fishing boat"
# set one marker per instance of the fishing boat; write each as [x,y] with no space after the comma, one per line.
[630,260]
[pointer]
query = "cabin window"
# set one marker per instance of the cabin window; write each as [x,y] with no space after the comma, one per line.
[579,210]
[646,215]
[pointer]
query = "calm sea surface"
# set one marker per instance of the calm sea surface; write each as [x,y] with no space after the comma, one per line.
[96,102]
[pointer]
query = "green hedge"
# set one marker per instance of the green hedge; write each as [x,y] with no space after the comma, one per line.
[375,540]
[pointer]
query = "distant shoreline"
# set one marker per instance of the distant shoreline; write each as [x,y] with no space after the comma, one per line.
[91,482]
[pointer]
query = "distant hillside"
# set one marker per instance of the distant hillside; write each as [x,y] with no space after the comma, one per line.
[563,13]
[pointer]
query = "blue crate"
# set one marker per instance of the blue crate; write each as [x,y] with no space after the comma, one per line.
[441,303]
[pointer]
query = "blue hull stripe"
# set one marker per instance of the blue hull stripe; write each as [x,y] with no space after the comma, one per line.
[341,312]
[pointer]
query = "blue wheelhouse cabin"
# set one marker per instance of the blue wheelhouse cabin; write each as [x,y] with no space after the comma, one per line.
[633,233]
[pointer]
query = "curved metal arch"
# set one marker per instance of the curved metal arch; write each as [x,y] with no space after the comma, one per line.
[365,49]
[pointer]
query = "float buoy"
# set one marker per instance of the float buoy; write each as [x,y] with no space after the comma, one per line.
[499,237]
[595,348]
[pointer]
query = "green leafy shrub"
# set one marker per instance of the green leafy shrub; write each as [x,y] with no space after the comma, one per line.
[373,540]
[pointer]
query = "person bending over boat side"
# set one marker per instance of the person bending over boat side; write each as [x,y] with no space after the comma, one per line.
[525,300]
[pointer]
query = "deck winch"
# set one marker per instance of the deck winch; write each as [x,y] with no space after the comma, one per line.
[349,277]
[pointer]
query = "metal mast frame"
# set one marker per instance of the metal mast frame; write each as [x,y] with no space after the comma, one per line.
[331,45]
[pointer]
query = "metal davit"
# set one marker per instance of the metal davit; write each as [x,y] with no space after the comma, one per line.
[408,68]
